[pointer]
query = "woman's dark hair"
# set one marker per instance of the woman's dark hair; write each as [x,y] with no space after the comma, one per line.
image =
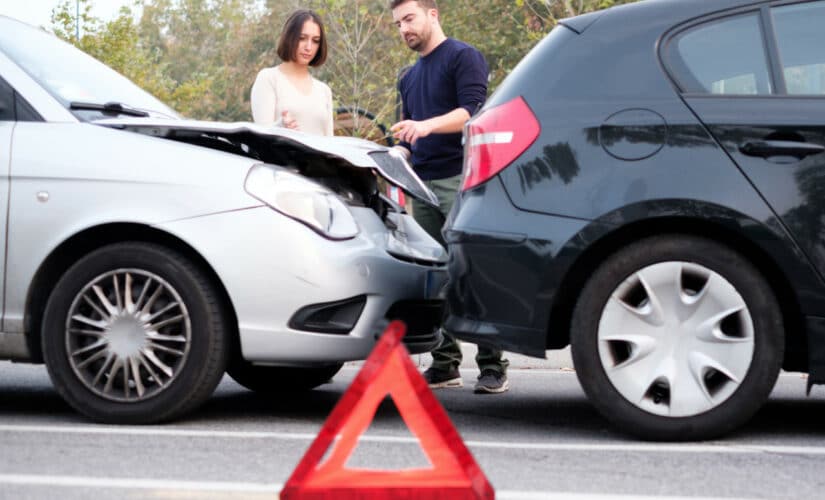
[291,36]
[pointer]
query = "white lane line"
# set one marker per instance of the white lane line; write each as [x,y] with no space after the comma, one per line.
[615,447]
[652,447]
[553,495]
[264,488]
[154,431]
[137,484]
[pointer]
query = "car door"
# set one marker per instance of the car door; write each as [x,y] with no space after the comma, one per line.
[756,79]
[6,127]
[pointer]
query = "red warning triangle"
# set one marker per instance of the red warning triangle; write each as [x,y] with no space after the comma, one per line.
[455,475]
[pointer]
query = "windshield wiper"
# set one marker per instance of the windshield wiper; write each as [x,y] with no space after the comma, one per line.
[114,108]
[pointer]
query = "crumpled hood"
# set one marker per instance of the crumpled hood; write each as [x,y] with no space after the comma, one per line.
[357,152]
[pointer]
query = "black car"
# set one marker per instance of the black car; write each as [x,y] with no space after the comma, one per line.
[648,186]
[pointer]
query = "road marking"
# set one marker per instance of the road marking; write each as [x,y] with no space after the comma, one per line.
[127,430]
[553,495]
[138,484]
[607,447]
[653,447]
[264,488]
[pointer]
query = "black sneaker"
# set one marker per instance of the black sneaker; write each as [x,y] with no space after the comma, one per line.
[437,378]
[491,382]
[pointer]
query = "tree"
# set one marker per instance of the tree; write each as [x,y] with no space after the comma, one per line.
[118,43]
[201,56]
[205,46]
[363,61]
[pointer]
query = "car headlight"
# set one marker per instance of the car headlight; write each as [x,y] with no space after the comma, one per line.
[302,200]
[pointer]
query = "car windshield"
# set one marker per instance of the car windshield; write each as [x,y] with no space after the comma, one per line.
[73,76]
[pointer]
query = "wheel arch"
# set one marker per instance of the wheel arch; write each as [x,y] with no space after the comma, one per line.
[558,336]
[68,252]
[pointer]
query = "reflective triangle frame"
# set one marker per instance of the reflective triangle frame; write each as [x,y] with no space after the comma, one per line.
[454,475]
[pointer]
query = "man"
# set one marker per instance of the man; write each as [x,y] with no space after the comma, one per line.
[439,93]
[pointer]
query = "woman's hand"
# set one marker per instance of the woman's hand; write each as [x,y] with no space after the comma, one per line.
[288,121]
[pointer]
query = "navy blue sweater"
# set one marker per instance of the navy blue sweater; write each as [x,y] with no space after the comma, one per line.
[453,75]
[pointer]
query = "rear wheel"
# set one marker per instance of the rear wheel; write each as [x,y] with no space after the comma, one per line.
[133,333]
[677,338]
[279,379]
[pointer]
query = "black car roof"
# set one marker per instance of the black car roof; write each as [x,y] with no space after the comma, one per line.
[699,7]
[677,10]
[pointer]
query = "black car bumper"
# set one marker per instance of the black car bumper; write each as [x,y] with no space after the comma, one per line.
[502,285]
[491,294]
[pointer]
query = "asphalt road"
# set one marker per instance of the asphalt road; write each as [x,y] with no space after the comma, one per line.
[540,440]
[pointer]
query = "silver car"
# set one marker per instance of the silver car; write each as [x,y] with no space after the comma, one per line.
[145,255]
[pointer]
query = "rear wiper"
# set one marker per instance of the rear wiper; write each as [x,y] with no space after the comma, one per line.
[114,108]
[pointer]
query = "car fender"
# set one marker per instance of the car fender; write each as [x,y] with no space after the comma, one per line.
[56,191]
[758,239]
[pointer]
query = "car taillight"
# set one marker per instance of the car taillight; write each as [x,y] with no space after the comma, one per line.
[495,138]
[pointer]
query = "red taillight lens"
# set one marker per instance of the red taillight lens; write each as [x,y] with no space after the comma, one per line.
[495,138]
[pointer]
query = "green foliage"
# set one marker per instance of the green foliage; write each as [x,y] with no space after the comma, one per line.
[119,44]
[503,45]
[201,56]
[205,47]
[364,57]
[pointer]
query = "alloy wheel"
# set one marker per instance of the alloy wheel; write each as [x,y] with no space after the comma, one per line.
[128,333]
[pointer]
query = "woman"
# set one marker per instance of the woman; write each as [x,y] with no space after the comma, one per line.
[287,95]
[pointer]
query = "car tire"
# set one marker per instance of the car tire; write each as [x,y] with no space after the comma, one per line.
[677,337]
[280,379]
[133,333]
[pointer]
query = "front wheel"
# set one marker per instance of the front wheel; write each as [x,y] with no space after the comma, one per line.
[677,338]
[134,333]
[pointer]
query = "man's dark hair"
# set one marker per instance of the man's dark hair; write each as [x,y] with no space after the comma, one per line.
[426,4]
[291,36]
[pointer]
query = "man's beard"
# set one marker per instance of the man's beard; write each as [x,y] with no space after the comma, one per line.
[418,41]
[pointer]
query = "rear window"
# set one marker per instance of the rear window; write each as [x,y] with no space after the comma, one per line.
[800,38]
[541,60]
[721,57]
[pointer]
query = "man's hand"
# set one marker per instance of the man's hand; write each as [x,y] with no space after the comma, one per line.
[410,131]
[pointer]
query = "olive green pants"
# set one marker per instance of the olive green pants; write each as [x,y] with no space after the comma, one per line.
[448,354]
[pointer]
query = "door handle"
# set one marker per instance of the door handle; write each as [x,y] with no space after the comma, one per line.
[766,149]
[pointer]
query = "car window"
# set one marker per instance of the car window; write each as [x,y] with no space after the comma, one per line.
[6,102]
[800,37]
[69,74]
[13,107]
[23,111]
[722,57]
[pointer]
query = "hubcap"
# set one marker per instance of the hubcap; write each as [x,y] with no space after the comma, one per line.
[127,335]
[676,339]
